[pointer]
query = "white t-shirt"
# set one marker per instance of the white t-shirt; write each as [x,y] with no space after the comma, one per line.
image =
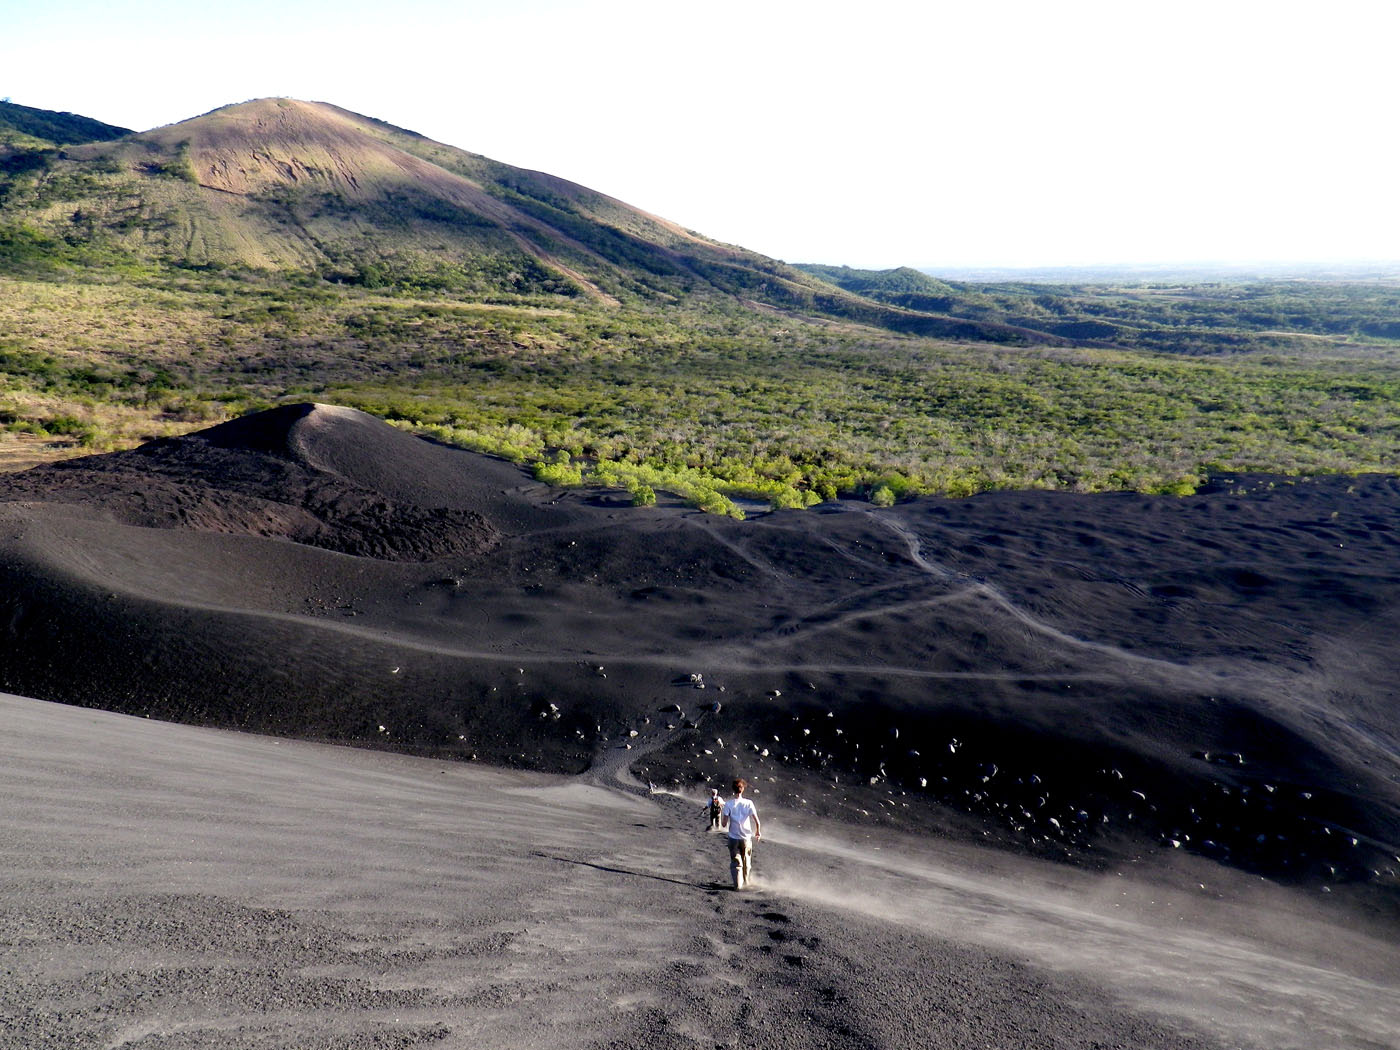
[741,813]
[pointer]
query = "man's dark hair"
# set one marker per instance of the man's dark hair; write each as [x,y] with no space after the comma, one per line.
[740,784]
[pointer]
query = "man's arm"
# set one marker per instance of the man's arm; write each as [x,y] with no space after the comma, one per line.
[757,831]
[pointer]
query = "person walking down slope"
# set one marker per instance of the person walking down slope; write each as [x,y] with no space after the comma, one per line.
[740,817]
[713,808]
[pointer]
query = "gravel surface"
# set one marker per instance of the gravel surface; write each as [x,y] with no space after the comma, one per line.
[167,886]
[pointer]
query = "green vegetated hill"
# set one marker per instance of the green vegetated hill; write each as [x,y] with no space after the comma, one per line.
[42,127]
[30,140]
[305,189]
[279,249]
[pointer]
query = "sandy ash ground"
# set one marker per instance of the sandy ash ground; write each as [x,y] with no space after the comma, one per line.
[1132,764]
[173,886]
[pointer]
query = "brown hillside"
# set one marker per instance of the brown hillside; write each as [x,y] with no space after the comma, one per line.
[307,187]
[256,146]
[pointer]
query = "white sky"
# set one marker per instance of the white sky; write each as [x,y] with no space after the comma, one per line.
[874,133]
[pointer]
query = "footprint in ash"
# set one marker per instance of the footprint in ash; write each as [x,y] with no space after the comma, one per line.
[781,936]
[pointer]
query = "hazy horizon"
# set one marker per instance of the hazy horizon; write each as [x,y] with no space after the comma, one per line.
[1340,269]
[932,136]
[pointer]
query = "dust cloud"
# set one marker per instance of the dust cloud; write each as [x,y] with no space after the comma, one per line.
[1256,967]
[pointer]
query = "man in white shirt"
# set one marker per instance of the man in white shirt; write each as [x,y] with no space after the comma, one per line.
[740,817]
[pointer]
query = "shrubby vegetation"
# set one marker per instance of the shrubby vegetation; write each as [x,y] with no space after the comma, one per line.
[597,346]
[711,401]
[1214,317]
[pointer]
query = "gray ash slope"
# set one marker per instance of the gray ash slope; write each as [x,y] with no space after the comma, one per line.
[1083,677]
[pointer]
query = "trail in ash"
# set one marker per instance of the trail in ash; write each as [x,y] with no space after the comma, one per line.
[715,658]
[1265,681]
[612,762]
[960,589]
[1266,685]
[993,593]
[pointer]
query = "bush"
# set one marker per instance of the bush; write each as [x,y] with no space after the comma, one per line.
[560,471]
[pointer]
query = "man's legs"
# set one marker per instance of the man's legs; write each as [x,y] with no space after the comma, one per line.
[737,867]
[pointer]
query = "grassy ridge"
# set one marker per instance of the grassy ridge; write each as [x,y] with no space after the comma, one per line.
[712,399]
[60,129]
